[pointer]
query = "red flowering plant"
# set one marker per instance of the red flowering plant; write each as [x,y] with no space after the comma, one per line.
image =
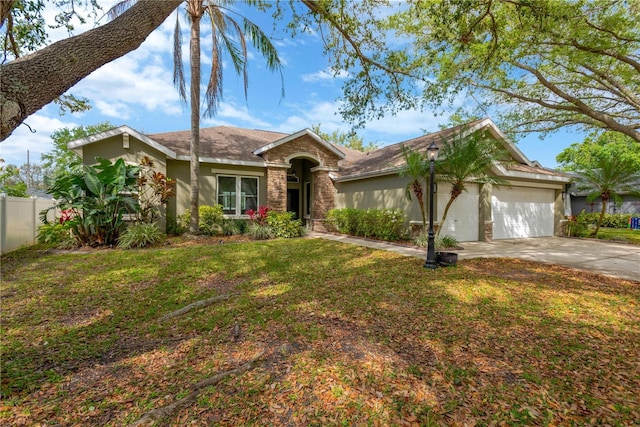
[66,215]
[259,216]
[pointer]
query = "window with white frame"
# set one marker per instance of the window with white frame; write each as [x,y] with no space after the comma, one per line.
[237,194]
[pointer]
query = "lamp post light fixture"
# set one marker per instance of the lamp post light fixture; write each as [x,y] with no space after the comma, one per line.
[432,154]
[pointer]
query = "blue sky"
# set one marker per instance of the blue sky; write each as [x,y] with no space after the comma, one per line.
[137,90]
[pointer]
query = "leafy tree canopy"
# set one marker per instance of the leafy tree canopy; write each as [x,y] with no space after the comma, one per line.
[598,147]
[10,182]
[60,159]
[27,85]
[547,64]
[346,139]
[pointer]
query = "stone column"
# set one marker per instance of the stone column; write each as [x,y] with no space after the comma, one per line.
[484,216]
[558,214]
[277,187]
[323,197]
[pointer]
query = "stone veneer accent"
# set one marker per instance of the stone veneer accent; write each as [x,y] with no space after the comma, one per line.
[277,188]
[323,200]
[303,144]
[487,231]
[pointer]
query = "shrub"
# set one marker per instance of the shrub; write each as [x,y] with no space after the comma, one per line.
[210,219]
[342,220]
[51,234]
[230,227]
[259,231]
[259,216]
[175,226]
[618,220]
[241,224]
[140,235]
[390,224]
[422,239]
[576,227]
[96,199]
[58,235]
[385,224]
[446,242]
[283,224]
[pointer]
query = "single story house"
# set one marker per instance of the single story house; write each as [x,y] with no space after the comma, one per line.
[242,169]
[629,204]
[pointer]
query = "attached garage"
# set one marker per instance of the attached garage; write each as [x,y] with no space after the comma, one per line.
[520,212]
[462,219]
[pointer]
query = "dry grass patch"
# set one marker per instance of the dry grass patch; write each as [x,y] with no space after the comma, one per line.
[350,335]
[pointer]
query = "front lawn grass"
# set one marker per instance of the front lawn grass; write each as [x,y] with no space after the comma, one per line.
[626,235]
[352,336]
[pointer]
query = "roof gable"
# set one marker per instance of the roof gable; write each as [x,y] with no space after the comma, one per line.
[78,143]
[297,135]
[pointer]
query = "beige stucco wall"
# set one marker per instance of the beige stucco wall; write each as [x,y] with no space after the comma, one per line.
[112,149]
[378,193]
[179,170]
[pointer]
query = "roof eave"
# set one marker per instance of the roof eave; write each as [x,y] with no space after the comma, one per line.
[501,170]
[371,174]
[224,161]
[79,143]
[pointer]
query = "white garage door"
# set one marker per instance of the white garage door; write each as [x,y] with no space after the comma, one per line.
[522,212]
[462,219]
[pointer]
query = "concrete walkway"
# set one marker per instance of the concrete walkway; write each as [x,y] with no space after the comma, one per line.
[612,259]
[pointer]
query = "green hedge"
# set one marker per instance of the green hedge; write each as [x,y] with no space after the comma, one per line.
[210,219]
[283,224]
[384,224]
[608,221]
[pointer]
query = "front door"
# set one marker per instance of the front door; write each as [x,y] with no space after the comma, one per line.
[293,201]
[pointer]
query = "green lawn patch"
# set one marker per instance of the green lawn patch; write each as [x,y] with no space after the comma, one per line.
[626,235]
[351,335]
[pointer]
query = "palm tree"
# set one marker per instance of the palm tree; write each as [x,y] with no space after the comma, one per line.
[225,30]
[416,168]
[467,157]
[228,35]
[613,177]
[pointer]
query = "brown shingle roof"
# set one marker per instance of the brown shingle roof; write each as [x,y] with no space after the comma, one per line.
[227,142]
[221,142]
[390,156]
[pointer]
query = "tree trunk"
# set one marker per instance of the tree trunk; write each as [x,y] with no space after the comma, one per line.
[454,196]
[602,211]
[29,83]
[5,9]
[417,190]
[195,121]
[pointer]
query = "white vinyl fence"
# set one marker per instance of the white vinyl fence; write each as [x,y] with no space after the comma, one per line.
[20,219]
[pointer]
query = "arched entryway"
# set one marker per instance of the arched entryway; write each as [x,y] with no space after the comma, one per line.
[298,179]
[300,187]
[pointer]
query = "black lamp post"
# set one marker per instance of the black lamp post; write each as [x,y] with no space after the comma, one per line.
[432,153]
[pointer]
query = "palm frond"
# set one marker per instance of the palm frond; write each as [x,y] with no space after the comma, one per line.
[119,8]
[213,94]
[178,65]
[268,51]
[241,66]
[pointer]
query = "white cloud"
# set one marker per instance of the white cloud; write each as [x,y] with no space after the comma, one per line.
[309,114]
[231,115]
[406,123]
[14,149]
[121,87]
[324,75]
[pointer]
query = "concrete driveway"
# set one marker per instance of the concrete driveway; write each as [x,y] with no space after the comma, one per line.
[613,259]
